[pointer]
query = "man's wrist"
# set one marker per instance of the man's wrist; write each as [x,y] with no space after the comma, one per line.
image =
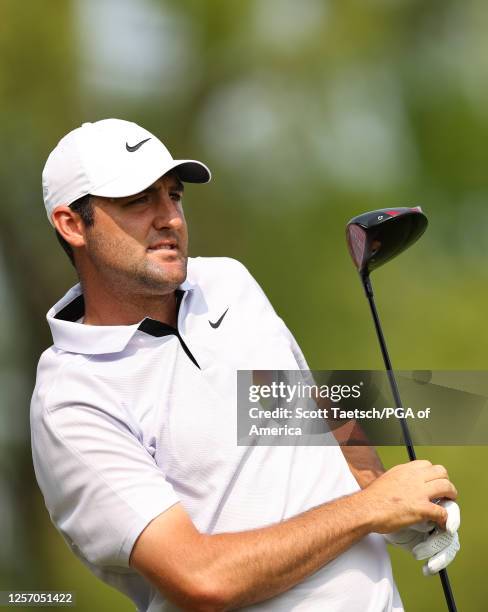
[367,511]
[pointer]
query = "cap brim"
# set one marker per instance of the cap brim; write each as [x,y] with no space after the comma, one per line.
[136,179]
[191,171]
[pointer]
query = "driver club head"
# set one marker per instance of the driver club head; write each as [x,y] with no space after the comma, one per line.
[376,237]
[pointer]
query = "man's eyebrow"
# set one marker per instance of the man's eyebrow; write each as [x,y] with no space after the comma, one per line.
[178,185]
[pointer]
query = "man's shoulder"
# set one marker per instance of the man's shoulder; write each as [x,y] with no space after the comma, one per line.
[59,373]
[53,360]
[201,268]
[222,282]
[209,272]
[69,387]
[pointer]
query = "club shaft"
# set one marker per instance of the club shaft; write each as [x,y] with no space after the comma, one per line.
[389,370]
[446,586]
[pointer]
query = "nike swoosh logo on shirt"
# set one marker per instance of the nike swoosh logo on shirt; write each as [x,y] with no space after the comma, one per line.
[133,148]
[217,323]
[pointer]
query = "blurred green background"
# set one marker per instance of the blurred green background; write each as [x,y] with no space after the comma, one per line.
[308,113]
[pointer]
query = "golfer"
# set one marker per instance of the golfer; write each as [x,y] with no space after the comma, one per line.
[133,415]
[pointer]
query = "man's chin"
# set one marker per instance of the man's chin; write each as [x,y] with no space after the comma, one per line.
[168,275]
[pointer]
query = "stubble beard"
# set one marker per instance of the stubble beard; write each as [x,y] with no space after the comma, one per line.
[131,276]
[149,276]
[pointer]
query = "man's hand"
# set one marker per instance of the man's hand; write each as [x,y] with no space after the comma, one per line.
[225,571]
[403,496]
[425,541]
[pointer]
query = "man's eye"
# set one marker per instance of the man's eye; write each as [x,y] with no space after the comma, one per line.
[176,196]
[140,200]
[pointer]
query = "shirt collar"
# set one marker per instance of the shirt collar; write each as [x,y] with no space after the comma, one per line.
[73,337]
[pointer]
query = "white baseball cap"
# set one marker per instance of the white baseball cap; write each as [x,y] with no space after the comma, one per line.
[112,158]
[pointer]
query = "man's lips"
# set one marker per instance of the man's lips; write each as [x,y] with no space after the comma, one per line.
[163,245]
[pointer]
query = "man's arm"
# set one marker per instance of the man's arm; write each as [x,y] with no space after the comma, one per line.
[364,464]
[227,571]
[363,461]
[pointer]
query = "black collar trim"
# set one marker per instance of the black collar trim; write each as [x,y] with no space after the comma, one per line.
[73,311]
[76,309]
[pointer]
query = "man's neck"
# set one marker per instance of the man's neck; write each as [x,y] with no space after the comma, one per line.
[111,307]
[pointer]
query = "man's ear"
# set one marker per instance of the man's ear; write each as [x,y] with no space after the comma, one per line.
[69,225]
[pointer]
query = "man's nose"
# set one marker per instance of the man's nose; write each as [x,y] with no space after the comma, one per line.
[168,213]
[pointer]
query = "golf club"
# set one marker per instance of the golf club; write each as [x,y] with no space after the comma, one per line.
[373,239]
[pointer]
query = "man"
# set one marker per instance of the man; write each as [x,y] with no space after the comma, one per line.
[133,415]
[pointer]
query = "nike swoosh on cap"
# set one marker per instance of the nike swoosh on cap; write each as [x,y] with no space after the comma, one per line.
[217,323]
[133,148]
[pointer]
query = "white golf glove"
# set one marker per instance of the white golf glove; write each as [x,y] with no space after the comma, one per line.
[427,541]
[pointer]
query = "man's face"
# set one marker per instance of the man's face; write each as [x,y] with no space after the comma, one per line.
[141,241]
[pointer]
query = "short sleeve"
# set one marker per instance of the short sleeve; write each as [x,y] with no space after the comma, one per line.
[100,484]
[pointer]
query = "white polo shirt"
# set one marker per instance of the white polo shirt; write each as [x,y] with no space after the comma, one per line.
[128,420]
